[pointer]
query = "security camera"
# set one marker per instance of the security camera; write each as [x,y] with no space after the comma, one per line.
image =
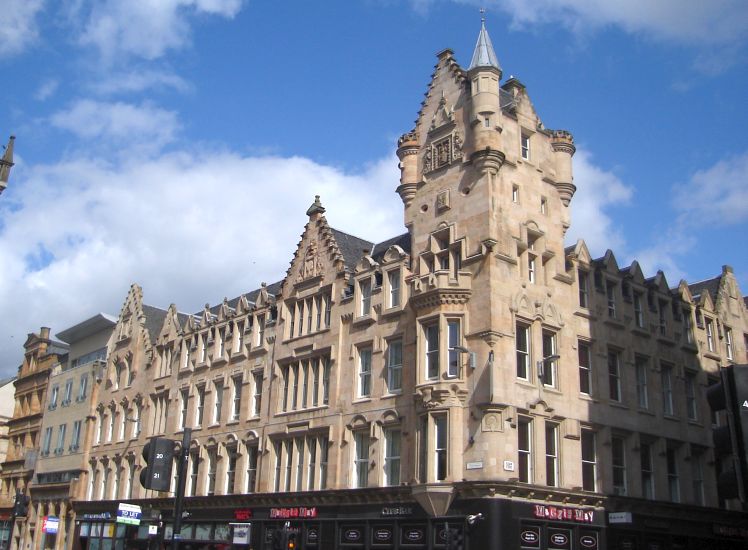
[474,518]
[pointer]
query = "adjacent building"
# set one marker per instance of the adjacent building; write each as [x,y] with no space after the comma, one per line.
[42,353]
[6,163]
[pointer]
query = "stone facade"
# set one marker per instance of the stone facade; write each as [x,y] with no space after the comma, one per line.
[472,364]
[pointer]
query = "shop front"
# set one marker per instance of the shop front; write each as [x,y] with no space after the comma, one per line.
[481,524]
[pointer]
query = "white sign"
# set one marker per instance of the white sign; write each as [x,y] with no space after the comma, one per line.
[128,514]
[153,529]
[474,465]
[508,465]
[242,532]
[50,524]
[619,517]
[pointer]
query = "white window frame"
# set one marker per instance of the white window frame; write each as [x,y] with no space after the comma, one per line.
[525,469]
[364,288]
[523,355]
[641,364]
[364,371]
[392,453]
[393,294]
[618,465]
[394,365]
[552,459]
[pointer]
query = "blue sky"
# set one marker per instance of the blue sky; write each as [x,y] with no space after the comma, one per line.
[178,143]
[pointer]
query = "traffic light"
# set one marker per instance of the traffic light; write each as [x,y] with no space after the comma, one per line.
[21,505]
[158,455]
[731,395]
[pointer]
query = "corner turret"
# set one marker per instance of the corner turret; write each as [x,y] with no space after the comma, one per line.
[485,107]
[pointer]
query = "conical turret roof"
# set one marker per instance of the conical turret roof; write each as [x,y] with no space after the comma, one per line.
[484,56]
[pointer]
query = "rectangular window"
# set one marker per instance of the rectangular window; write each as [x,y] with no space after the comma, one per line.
[252,452]
[692,409]
[392,438]
[83,387]
[300,464]
[728,343]
[614,375]
[291,319]
[184,399]
[710,335]
[432,350]
[294,386]
[231,470]
[393,277]
[315,386]
[515,194]
[61,438]
[304,383]
[688,326]
[584,289]
[523,351]
[618,452]
[453,335]
[326,381]
[220,345]
[200,408]
[543,205]
[551,454]
[642,393]
[210,481]
[364,372]
[218,402]
[662,317]
[318,312]
[638,310]
[236,398]
[53,397]
[441,438]
[610,292]
[47,441]
[666,375]
[549,366]
[361,460]
[68,396]
[194,471]
[328,309]
[239,337]
[261,330]
[531,268]
[673,479]
[288,449]
[589,461]
[324,446]
[525,145]
[585,371]
[645,457]
[257,397]
[309,303]
[312,468]
[395,365]
[301,318]
[365,289]
[75,438]
[524,449]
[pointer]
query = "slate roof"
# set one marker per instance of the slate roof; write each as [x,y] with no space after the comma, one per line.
[351,247]
[403,241]
[154,320]
[710,285]
[273,289]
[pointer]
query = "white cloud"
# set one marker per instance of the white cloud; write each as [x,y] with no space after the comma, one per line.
[597,191]
[119,123]
[19,25]
[190,227]
[139,80]
[46,89]
[146,28]
[712,22]
[717,195]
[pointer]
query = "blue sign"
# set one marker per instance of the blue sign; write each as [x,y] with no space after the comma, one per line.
[128,513]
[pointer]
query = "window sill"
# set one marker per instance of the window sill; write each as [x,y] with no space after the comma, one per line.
[614,322]
[712,355]
[233,421]
[362,399]
[695,423]
[389,395]
[640,331]
[670,417]
[239,355]
[364,320]
[220,361]
[646,412]
[618,405]
[525,383]
[393,311]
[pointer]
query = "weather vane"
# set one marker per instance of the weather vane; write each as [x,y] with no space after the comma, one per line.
[483,15]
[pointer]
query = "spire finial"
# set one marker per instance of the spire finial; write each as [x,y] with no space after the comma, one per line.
[483,15]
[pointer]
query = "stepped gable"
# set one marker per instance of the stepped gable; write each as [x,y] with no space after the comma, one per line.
[447,73]
[251,297]
[403,241]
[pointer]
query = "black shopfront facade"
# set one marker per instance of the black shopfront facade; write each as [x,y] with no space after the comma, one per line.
[344,520]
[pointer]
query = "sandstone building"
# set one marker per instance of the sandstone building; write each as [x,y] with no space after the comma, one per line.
[473,364]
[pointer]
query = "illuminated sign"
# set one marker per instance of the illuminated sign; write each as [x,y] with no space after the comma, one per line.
[296,512]
[562,513]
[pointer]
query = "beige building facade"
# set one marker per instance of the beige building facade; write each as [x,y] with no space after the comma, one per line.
[474,364]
